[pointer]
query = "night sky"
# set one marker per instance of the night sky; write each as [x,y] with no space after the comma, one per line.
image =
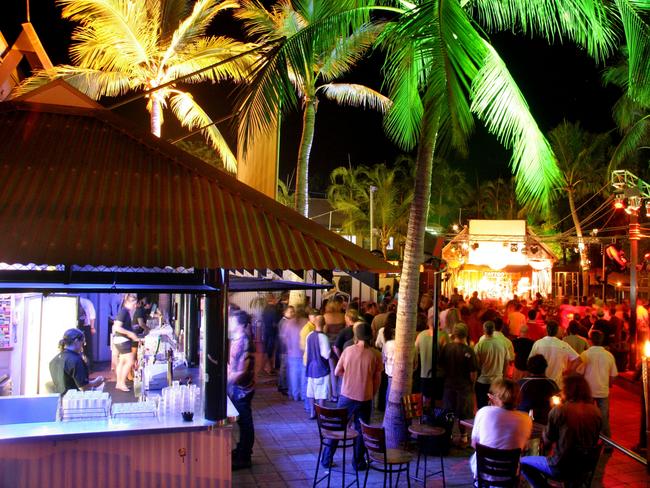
[558,82]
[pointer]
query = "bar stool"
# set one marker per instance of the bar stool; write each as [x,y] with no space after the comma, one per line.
[333,426]
[380,458]
[420,432]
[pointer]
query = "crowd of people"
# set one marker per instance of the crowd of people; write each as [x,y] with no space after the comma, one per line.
[501,364]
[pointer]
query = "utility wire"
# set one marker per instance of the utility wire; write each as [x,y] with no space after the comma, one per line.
[585,203]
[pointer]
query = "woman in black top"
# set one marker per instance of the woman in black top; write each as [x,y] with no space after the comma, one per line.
[122,339]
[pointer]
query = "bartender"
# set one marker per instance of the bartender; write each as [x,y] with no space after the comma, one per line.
[68,369]
[123,339]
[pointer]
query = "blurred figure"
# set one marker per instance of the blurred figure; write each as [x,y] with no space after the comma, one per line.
[492,357]
[290,336]
[559,355]
[241,389]
[577,342]
[522,346]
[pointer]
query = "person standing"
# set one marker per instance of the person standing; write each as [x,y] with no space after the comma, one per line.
[559,355]
[576,341]
[424,349]
[270,319]
[522,346]
[492,357]
[459,366]
[290,335]
[68,369]
[123,339]
[241,389]
[516,319]
[360,366]
[536,390]
[573,426]
[317,353]
[599,371]
[86,324]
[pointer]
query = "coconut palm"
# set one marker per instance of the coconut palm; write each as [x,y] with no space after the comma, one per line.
[348,194]
[310,45]
[502,198]
[449,193]
[582,159]
[441,71]
[124,46]
[392,187]
[632,118]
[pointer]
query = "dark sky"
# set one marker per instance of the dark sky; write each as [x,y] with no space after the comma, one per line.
[558,82]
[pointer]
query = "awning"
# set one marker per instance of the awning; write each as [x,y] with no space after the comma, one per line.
[83,186]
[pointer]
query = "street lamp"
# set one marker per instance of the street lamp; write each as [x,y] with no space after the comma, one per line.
[373,189]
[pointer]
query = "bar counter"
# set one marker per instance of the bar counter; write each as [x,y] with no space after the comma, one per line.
[117,452]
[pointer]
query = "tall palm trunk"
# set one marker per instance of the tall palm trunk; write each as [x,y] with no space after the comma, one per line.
[394,422]
[584,256]
[156,116]
[306,141]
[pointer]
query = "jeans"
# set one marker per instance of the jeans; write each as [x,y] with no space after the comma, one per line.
[294,375]
[534,468]
[359,411]
[603,405]
[303,388]
[244,448]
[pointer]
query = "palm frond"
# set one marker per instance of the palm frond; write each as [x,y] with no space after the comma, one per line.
[354,95]
[497,101]
[192,116]
[171,13]
[637,136]
[635,15]
[193,27]
[125,23]
[258,22]
[348,51]
[585,22]
[93,83]
[207,51]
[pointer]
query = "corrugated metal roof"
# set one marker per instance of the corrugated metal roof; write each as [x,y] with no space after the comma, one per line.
[83,186]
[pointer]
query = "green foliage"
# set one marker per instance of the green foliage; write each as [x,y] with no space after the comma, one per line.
[124,46]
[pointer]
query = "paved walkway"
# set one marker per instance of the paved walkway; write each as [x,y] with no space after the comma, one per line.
[286,447]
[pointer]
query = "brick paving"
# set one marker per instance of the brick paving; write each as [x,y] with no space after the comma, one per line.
[286,447]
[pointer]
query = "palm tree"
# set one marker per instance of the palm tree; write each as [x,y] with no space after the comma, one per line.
[348,194]
[632,117]
[449,193]
[441,71]
[501,197]
[284,195]
[143,44]
[310,45]
[393,188]
[582,159]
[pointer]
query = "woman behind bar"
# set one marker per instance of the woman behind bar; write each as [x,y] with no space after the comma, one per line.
[122,340]
[68,369]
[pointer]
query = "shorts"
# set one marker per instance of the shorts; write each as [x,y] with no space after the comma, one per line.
[318,388]
[123,347]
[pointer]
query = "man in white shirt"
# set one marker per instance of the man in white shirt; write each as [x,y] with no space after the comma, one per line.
[558,354]
[599,371]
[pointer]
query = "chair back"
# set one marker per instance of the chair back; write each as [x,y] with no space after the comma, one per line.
[374,439]
[412,405]
[331,419]
[497,467]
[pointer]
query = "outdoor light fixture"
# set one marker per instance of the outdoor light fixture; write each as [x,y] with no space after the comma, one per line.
[455,227]
[647,208]
[514,247]
[619,202]
[475,245]
[634,203]
[534,249]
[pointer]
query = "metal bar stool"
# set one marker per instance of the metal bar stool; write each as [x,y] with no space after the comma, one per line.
[333,428]
[421,433]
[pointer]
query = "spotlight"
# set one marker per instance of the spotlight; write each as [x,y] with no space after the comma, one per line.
[534,249]
[514,247]
[619,202]
[455,227]
[647,208]
[475,245]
